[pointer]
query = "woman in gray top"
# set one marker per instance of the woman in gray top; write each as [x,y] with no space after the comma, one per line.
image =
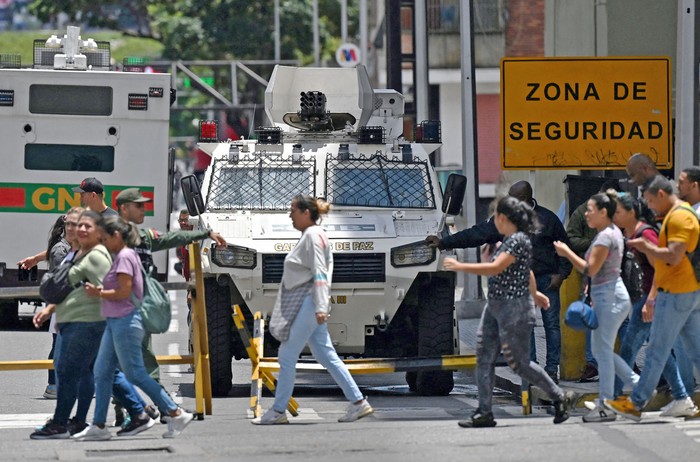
[610,299]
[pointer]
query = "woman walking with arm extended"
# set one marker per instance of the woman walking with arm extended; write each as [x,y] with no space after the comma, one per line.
[121,342]
[301,312]
[610,299]
[509,316]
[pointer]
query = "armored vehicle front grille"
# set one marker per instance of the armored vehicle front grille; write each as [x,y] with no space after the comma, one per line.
[359,267]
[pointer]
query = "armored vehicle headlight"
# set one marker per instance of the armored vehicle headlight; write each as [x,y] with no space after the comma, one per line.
[233,256]
[415,254]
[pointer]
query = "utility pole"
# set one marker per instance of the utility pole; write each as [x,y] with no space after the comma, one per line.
[687,90]
[470,165]
[317,39]
[278,53]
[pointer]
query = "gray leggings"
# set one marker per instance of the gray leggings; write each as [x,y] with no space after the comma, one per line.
[506,325]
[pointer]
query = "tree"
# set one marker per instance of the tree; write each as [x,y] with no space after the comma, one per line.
[210,29]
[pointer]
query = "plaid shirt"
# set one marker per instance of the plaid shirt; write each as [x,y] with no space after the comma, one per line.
[286,309]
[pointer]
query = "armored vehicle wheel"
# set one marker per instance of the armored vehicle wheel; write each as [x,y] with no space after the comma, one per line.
[411,377]
[436,334]
[220,330]
[9,314]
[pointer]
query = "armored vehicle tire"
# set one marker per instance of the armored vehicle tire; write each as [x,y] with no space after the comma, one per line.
[219,329]
[9,314]
[411,377]
[435,335]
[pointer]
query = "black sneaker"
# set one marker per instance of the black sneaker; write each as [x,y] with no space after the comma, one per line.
[152,412]
[136,426]
[554,376]
[590,374]
[51,431]
[561,408]
[75,426]
[479,420]
[120,415]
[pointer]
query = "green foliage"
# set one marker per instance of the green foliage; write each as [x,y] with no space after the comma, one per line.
[213,29]
[22,42]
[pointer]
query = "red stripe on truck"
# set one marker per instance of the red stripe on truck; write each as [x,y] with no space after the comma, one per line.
[12,197]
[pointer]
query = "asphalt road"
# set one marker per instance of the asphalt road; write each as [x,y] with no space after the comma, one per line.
[404,427]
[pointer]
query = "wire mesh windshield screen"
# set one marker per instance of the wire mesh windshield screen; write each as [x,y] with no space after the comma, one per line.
[259,183]
[376,181]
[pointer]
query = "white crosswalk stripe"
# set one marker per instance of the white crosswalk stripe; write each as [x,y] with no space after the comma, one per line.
[306,414]
[691,428]
[22,420]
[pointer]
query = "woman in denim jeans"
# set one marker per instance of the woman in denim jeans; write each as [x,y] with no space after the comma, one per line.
[80,326]
[633,217]
[121,342]
[301,313]
[609,297]
[509,316]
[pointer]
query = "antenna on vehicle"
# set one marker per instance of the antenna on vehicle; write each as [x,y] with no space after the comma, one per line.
[252,122]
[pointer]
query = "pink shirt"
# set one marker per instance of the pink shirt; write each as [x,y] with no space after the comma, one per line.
[125,262]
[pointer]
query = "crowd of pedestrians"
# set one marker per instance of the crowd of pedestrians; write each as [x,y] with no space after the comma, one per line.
[102,348]
[654,226]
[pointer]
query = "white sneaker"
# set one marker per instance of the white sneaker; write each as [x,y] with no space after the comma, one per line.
[177,423]
[357,411]
[271,417]
[600,414]
[590,405]
[93,433]
[679,408]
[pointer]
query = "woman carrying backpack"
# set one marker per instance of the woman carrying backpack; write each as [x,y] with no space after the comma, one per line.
[609,296]
[633,217]
[121,342]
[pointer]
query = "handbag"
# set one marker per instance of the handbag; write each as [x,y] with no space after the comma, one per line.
[580,315]
[55,286]
[155,305]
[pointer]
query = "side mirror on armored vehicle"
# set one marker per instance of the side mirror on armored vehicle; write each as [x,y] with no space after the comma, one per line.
[193,194]
[454,194]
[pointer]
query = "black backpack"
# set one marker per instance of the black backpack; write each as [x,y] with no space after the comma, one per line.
[55,286]
[693,256]
[631,270]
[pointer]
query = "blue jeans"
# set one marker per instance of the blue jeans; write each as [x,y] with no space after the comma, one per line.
[637,334]
[621,332]
[506,325]
[126,395]
[551,323]
[611,304]
[685,367]
[675,315]
[121,347]
[306,329]
[75,354]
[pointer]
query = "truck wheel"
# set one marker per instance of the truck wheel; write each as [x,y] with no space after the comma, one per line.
[411,377]
[9,314]
[220,330]
[436,334]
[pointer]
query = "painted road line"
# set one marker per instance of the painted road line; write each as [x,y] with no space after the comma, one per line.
[8,421]
[174,369]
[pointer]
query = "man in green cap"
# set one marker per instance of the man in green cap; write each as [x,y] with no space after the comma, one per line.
[131,207]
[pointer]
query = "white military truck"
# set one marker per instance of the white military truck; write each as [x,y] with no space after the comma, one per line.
[67,118]
[337,138]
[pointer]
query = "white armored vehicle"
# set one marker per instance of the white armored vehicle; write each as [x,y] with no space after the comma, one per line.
[333,137]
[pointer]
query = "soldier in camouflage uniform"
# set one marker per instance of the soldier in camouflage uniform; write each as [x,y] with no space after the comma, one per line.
[130,205]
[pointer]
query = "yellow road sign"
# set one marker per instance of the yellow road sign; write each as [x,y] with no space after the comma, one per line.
[585,113]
